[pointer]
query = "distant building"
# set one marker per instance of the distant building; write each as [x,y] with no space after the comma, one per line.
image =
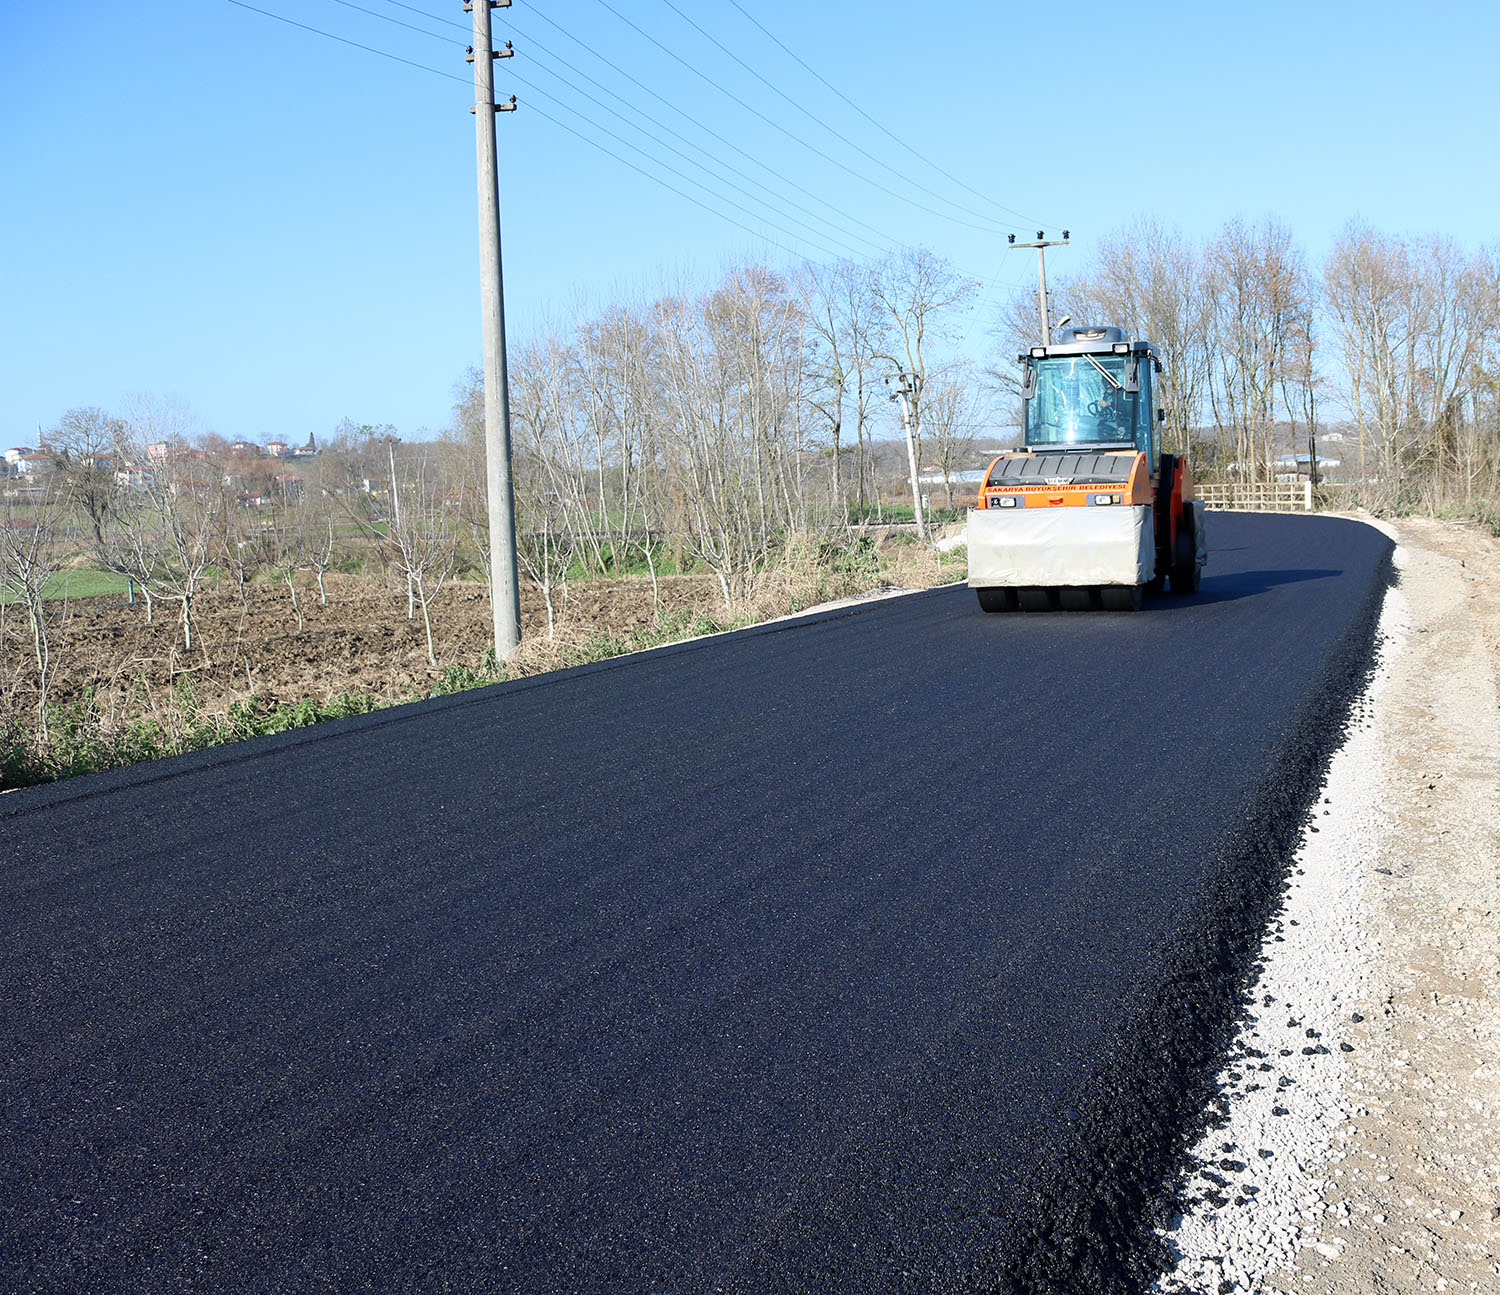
[136,476]
[36,465]
[277,449]
[13,456]
[1302,460]
[245,449]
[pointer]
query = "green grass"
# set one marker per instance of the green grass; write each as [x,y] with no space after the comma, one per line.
[78,743]
[895,514]
[79,584]
[88,583]
[632,563]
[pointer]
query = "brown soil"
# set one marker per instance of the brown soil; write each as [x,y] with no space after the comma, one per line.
[362,639]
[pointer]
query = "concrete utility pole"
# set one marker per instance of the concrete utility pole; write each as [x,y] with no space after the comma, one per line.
[505,593]
[906,389]
[1312,439]
[1041,243]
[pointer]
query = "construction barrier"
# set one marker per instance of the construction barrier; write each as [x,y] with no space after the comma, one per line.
[1256,496]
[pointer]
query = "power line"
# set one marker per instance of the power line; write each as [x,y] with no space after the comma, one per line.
[886,238]
[667,167]
[661,125]
[806,112]
[689,160]
[759,234]
[875,184]
[369,49]
[917,153]
[462,26]
[318,31]
[348,4]
[669,187]
[707,130]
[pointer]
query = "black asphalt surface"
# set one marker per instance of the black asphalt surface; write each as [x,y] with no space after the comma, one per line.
[880,951]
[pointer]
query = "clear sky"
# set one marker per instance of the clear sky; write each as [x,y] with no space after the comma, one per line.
[200,200]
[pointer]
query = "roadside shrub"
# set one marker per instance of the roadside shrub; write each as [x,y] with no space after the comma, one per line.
[460,678]
[853,559]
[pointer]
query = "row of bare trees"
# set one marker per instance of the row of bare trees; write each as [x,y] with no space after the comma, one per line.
[718,425]
[1395,338]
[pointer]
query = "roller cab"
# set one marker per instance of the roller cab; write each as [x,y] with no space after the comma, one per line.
[1088,514]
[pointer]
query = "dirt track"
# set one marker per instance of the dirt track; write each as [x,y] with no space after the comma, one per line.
[1413,1200]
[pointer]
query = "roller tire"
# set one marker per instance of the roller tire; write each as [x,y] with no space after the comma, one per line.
[1122,598]
[997,600]
[1078,598]
[1186,572]
[1186,579]
[1037,600]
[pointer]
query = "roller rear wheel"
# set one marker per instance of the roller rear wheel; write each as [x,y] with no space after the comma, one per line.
[997,600]
[1185,579]
[1121,598]
[1038,600]
[1080,598]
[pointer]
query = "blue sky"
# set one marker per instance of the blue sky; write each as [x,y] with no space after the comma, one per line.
[279,229]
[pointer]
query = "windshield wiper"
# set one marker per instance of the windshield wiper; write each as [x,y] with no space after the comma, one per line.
[1108,376]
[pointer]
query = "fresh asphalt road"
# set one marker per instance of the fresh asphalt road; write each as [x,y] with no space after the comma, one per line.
[760,963]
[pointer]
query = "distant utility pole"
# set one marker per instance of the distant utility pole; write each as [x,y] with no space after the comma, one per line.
[505,593]
[1041,243]
[905,392]
[1312,438]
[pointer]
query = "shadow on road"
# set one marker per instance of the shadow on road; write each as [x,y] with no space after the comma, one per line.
[1246,584]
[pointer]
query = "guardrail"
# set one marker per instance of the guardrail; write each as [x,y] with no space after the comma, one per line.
[1256,496]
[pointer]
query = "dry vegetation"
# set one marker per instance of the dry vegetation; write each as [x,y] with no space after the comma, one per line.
[124,688]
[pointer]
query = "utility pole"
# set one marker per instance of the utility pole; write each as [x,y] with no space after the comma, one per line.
[1312,439]
[1041,242]
[505,593]
[905,392]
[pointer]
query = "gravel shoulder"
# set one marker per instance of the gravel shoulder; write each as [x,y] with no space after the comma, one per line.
[1356,1147]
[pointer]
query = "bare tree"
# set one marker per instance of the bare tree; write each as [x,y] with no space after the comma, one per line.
[831,369]
[175,523]
[920,293]
[282,552]
[544,544]
[87,443]
[1415,322]
[953,419]
[239,548]
[1256,283]
[1150,281]
[1014,332]
[707,476]
[31,552]
[319,545]
[419,536]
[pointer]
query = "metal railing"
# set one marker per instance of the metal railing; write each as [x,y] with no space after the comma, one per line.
[1256,496]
